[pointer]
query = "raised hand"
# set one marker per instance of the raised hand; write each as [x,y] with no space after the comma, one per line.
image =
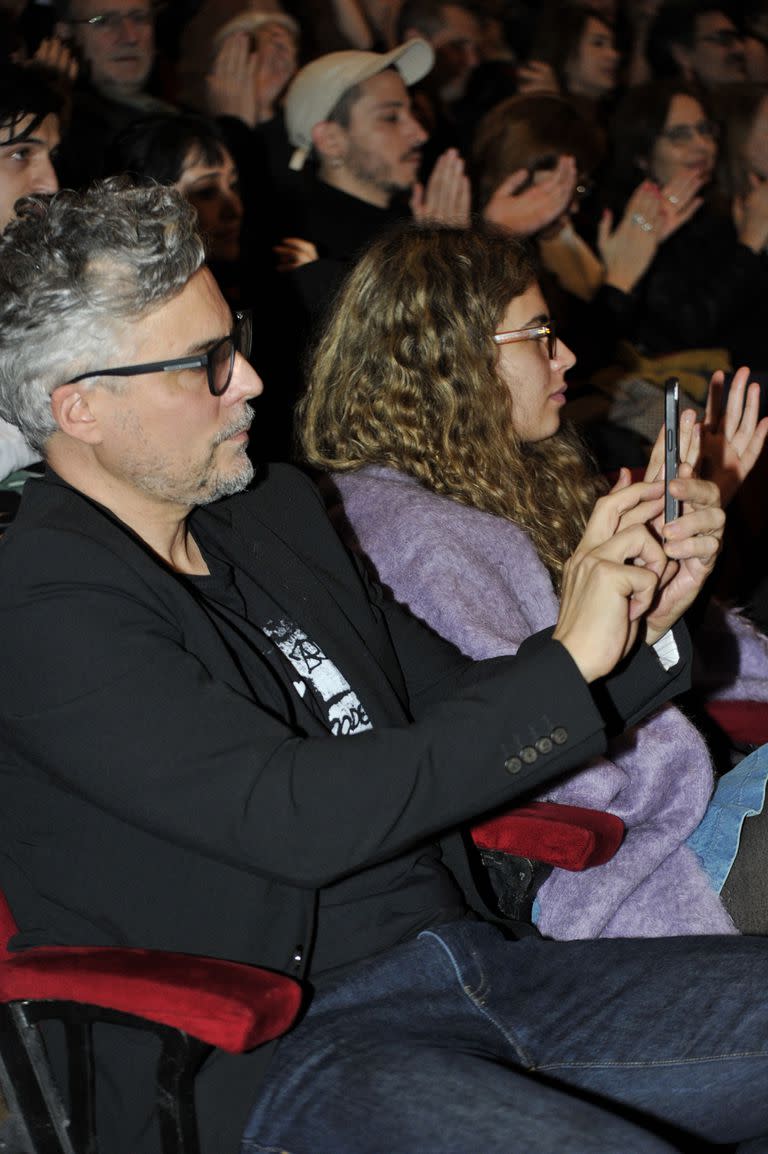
[732,438]
[276,64]
[525,213]
[446,199]
[54,53]
[293,251]
[230,85]
[689,446]
[680,201]
[628,249]
[536,76]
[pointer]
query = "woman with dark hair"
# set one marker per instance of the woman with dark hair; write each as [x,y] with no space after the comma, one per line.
[678,304]
[434,400]
[189,152]
[579,43]
[663,131]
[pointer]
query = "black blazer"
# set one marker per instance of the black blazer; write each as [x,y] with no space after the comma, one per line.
[153,793]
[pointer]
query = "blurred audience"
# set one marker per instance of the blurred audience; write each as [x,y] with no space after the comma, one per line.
[189,153]
[580,45]
[698,41]
[115,44]
[31,107]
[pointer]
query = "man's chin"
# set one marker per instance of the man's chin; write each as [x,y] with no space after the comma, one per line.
[126,74]
[227,484]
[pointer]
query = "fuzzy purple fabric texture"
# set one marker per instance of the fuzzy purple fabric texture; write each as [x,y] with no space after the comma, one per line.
[476,579]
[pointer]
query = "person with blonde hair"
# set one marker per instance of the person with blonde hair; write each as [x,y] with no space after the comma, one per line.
[435,401]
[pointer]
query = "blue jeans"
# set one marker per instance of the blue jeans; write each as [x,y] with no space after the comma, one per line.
[461,1041]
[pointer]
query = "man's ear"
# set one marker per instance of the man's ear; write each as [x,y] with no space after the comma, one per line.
[74,414]
[330,141]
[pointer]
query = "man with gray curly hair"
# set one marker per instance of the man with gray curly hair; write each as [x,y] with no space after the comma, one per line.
[218,739]
[100,275]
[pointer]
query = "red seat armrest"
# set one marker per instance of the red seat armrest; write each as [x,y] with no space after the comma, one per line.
[745,722]
[235,1007]
[566,836]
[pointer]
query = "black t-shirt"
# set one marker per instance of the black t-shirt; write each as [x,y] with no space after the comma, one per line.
[390,902]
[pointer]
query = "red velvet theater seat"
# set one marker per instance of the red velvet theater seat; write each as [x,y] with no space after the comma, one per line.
[195,1003]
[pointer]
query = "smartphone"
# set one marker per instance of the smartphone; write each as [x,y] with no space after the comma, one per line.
[671,445]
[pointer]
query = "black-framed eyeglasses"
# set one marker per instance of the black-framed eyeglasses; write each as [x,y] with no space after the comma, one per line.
[683,133]
[545,331]
[112,21]
[218,361]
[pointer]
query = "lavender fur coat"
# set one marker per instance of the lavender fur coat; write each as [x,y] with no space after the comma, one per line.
[477,580]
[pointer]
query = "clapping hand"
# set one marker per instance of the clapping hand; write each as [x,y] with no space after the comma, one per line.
[732,438]
[528,212]
[446,199]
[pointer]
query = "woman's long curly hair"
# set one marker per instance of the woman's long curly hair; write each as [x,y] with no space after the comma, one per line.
[406,375]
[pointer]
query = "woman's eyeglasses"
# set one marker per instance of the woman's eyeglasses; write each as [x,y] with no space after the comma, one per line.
[541,332]
[683,133]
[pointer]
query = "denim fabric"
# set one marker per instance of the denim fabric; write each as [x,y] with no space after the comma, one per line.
[740,794]
[461,1041]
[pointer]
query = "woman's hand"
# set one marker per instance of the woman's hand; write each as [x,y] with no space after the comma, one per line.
[691,543]
[680,200]
[732,438]
[651,216]
[628,249]
[528,212]
[603,597]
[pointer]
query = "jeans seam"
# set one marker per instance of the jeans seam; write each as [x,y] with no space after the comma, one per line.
[248,1144]
[510,1039]
[738,1055]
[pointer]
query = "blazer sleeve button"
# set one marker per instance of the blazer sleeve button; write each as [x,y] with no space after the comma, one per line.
[529,754]
[513,765]
[544,745]
[559,735]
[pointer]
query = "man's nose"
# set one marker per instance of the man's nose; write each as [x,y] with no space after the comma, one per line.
[245,384]
[128,28]
[45,177]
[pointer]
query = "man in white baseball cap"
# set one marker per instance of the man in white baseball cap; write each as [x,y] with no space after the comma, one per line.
[352,112]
